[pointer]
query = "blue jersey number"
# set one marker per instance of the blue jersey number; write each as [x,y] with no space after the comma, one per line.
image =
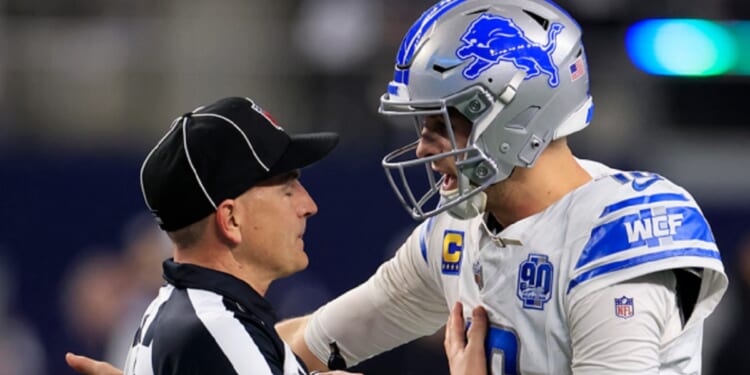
[503,351]
[639,181]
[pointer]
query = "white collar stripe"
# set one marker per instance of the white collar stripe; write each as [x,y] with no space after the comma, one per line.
[235,342]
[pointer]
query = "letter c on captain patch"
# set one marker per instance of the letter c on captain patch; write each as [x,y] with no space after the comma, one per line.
[453,246]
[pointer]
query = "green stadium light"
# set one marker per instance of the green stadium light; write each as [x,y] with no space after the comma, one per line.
[690,47]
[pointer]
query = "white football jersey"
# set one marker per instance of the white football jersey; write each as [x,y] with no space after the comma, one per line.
[530,276]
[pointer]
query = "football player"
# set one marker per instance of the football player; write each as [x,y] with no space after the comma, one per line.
[582,268]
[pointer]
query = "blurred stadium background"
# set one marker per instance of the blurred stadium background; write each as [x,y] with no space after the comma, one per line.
[87,87]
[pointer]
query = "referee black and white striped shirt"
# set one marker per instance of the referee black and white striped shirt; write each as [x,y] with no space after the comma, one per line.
[209,322]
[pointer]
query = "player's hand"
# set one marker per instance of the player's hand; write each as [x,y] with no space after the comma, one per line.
[88,366]
[465,357]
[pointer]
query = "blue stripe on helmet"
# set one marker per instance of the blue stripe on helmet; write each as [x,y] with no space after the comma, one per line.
[565,12]
[392,89]
[414,36]
[590,114]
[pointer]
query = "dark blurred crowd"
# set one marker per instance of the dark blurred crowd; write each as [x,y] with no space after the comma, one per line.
[102,297]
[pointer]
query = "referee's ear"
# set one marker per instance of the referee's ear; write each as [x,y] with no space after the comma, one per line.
[227,225]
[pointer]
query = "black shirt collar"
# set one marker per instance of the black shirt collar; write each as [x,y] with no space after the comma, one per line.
[183,275]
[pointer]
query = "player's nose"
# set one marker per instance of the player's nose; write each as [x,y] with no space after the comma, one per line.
[426,145]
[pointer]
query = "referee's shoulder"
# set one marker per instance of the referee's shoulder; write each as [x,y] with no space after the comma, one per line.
[181,320]
[190,333]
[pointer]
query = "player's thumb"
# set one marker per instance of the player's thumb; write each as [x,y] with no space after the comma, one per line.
[87,366]
[478,329]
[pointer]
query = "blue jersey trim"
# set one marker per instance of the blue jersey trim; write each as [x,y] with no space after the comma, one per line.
[649,227]
[621,177]
[645,199]
[636,261]
[426,229]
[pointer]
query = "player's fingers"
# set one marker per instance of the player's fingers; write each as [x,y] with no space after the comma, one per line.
[88,366]
[454,330]
[478,330]
[448,334]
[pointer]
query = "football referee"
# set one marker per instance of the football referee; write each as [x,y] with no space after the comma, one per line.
[223,182]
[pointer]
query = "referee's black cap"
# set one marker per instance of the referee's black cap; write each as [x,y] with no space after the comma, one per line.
[218,152]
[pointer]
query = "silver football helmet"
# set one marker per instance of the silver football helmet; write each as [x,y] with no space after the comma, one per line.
[516,69]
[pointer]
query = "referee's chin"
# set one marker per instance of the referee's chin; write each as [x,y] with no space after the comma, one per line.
[304,261]
[298,262]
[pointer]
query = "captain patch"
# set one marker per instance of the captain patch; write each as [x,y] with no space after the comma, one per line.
[453,248]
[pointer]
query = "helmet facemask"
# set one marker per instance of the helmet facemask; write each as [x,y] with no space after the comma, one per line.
[474,170]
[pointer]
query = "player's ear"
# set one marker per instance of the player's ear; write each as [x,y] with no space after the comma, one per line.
[227,222]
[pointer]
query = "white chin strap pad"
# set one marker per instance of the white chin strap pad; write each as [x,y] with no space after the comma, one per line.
[469,208]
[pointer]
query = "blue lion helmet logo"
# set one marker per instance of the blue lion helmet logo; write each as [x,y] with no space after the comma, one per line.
[491,39]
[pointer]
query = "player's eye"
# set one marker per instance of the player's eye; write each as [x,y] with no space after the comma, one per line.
[435,125]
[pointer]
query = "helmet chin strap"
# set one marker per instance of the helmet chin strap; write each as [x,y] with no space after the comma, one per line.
[468,208]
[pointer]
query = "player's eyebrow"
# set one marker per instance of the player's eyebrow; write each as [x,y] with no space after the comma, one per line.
[435,123]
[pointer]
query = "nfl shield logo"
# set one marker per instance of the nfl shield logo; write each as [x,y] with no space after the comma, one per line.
[624,307]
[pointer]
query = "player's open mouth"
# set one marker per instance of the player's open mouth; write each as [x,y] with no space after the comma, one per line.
[449,182]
